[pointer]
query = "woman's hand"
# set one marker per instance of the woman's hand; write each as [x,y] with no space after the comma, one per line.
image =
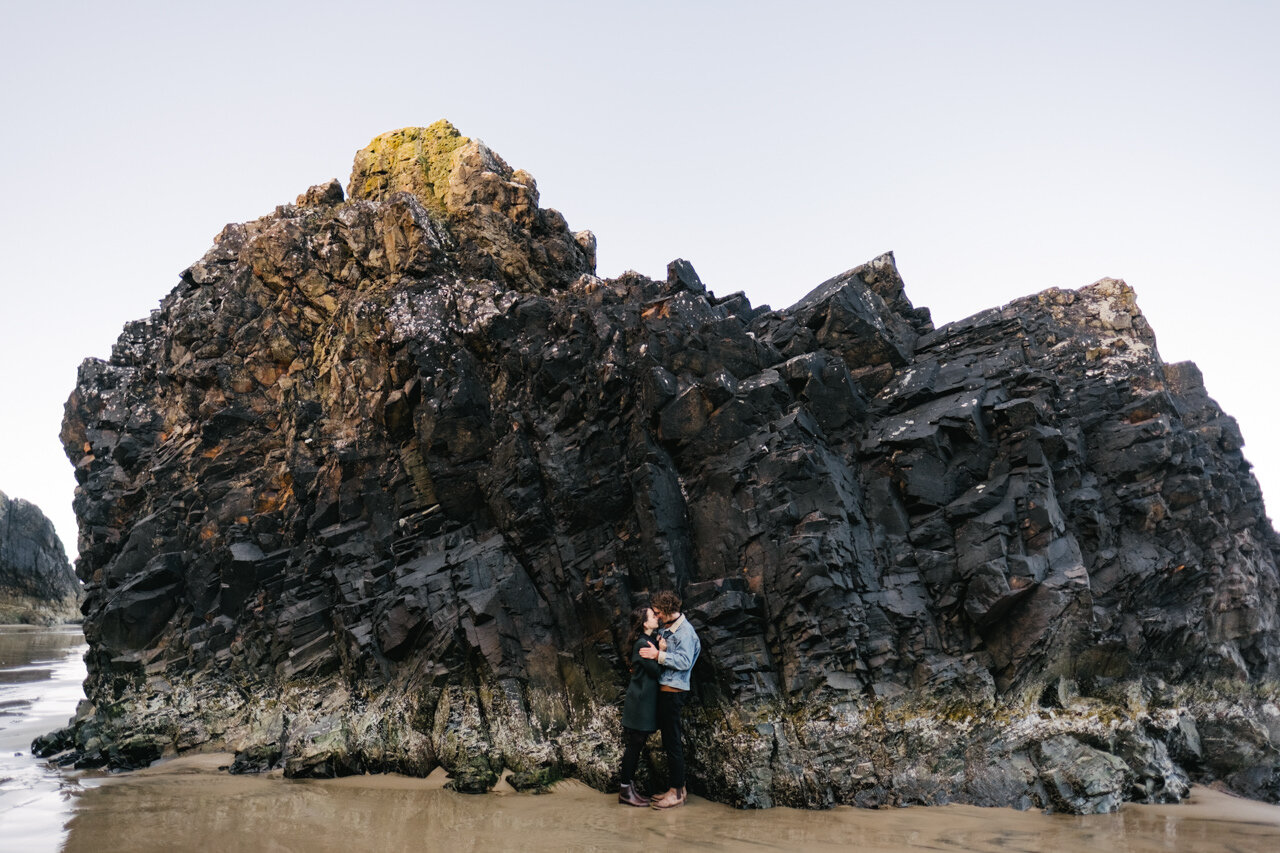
[662,644]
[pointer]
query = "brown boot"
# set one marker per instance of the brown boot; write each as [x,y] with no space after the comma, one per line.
[627,796]
[669,800]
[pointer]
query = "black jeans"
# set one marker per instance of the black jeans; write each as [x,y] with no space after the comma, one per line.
[669,707]
[633,741]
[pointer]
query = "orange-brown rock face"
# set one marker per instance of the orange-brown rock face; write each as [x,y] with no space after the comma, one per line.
[377,484]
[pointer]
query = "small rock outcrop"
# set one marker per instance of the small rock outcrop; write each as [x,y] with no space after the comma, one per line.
[37,584]
[374,486]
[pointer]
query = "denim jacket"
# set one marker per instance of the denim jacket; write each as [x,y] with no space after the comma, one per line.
[677,661]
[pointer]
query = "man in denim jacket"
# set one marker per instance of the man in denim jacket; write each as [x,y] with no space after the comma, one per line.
[677,662]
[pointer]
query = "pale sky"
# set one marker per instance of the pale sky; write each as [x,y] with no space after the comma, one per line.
[997,148]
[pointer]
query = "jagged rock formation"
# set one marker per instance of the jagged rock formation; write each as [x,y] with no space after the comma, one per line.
[373,487]
[37,584]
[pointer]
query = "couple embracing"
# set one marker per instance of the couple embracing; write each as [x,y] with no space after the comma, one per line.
[662,648]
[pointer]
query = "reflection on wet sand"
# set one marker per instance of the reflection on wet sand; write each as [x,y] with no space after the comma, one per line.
[187,804]
[40,675]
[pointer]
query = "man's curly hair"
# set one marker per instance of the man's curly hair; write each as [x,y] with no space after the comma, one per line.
[666,601]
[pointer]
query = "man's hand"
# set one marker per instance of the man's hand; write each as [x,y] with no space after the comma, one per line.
[649,653]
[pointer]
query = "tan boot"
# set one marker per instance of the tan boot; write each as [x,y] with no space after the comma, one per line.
[629,797]
[669,800]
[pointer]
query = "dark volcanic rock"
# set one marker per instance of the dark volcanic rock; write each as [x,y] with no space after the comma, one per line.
[37,583]
[374,486]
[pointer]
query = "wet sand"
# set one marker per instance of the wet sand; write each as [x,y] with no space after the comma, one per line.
[41,673]
[190,803]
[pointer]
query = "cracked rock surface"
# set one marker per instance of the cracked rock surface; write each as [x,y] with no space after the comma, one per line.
[376,485]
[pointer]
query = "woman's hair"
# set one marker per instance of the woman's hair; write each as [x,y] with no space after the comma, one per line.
[638,617]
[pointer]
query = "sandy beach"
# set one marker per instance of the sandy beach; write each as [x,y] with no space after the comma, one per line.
[192,803]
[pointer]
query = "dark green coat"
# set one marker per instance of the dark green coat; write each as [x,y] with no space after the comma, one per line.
[640,709]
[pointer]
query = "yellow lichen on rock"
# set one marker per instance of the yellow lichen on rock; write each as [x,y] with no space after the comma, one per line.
[489,211]
[418,160]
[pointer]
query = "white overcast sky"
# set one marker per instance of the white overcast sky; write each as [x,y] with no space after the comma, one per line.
[998,148]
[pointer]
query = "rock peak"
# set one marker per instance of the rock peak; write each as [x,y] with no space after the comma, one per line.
[418,160]
[491,209]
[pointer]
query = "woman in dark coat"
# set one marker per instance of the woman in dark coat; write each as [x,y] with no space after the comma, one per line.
[639,710]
